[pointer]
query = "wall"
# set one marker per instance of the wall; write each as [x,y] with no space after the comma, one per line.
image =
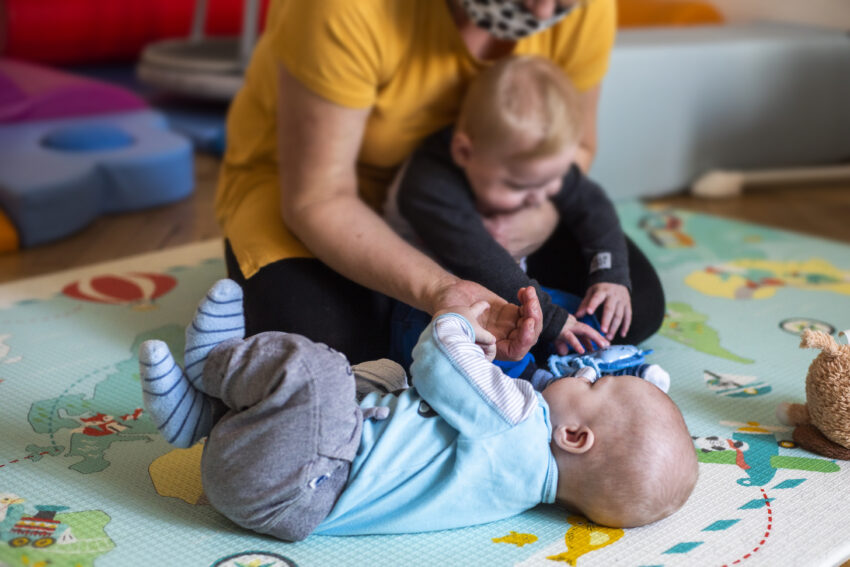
[679,102]
[832,13]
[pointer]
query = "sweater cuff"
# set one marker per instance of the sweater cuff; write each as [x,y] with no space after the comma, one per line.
[555,323]
[610,276]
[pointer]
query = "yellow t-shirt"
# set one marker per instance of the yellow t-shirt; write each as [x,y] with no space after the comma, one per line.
[403,58]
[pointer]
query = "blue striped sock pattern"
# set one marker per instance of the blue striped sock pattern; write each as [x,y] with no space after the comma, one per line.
[183,414]
[219,317]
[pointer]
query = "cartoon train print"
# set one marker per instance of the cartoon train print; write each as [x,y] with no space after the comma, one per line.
[40,531]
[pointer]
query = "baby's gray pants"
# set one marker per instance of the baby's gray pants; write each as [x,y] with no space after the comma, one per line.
[279,458]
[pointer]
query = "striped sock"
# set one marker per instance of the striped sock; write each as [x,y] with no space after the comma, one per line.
[219,317]
[183,414]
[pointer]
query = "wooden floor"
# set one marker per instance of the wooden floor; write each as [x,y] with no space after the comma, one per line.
[818,210]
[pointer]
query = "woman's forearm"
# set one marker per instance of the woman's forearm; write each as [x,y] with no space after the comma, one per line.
[354,241]
[584,158]
[318,144]
[588,142]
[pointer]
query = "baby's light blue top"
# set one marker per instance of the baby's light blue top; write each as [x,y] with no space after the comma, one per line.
[465,445]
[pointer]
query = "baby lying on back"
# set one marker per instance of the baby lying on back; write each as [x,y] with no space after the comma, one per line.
[337,450]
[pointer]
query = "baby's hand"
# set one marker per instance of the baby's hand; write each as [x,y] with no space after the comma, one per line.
[617,313]
[578,335]
[476,314]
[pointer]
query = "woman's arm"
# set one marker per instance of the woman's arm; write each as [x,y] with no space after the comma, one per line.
[587,145]
[318,143]
[522,233]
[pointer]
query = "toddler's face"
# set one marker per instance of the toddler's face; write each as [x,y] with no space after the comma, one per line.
[504,185]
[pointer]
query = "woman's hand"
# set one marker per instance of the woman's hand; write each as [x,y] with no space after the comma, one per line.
[476,315]
[578,335]
[515,329]
[617,313]
[523,232]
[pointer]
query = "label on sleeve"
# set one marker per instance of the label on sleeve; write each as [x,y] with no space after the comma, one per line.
[601,261]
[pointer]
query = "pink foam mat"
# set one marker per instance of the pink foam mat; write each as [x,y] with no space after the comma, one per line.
[32,92]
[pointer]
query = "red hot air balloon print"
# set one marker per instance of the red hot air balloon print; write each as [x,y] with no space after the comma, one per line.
[137,290]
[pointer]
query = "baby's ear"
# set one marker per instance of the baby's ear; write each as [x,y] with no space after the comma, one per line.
[575,439]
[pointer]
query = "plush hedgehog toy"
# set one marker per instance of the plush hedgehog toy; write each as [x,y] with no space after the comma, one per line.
[823,423]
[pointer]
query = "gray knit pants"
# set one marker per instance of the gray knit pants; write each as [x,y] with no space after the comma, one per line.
[279,458]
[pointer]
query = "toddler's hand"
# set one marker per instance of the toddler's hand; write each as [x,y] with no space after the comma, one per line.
[617,313]
[578,335]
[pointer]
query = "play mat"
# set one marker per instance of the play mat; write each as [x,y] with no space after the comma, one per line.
[86,480]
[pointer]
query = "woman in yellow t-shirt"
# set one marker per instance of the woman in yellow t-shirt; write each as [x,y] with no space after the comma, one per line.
[337,95]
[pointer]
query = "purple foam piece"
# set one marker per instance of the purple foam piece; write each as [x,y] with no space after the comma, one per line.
[31,92]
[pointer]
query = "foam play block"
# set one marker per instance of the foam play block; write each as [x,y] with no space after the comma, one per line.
[8,235]
[653,13]
[57,176]
[32,92]
[73,148]
[201,121]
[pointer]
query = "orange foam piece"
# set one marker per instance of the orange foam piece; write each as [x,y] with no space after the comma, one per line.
[648,13]
[9,240]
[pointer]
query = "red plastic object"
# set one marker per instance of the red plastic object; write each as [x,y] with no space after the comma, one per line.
[93,31]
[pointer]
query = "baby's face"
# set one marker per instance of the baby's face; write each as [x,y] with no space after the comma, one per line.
[503,184]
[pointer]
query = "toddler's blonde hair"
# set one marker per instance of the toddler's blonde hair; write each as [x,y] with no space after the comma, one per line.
[526,96]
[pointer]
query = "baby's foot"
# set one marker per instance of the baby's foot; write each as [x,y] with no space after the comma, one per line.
[219,317]
[182,413]
[652,373]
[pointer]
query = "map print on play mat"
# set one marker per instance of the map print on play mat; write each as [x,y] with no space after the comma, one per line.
[676,238]
[760,279]
[515,538]
[686,326]
[44,534]
[584,537]
[735,385]
[754,449]
[177,474]
[137,290]
[113,413]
